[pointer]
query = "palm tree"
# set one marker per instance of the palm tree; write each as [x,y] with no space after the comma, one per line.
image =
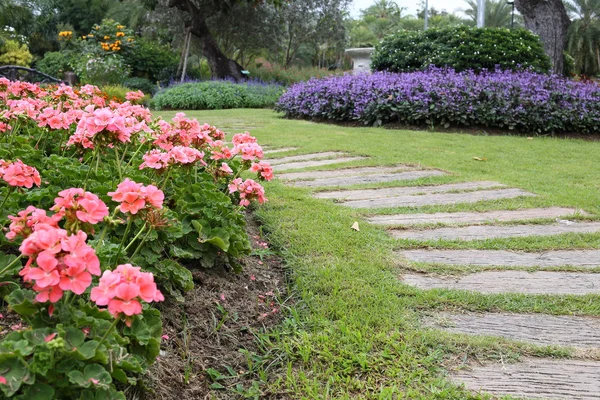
[583,39]
[498,13]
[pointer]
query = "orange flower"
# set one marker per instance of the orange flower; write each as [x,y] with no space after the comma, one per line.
[120,34]
[106,37]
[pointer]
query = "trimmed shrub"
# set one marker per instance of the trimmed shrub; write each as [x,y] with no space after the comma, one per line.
[214,95]
[55,63]
[461,48]
[152,61]
[115,92]
[522,101]
[142,84]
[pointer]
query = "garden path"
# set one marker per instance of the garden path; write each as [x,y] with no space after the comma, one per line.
[538,378]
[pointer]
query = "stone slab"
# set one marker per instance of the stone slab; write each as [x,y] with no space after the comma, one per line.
[438,199]
[306,157]
[536,379]
[280,150]
[541,282]
[493,232]
[363,179]
[339,173]
[368,194]
[315,163]
[472,217]
[539,329]
[491,258]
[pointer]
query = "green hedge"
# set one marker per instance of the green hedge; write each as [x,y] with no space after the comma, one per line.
[461,48]
[213,95]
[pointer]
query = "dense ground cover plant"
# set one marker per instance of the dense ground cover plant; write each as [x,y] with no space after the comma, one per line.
[106,207]
[461,48]
[214,95]
[522,101]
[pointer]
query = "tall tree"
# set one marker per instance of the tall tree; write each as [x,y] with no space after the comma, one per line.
[549,20]
[583,42]
[498,13]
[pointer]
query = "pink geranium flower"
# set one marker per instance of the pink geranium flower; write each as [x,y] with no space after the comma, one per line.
[135,196]
[19,174]
[123,290]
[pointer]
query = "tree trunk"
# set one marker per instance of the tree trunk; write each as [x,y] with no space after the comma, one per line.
[220,65]
[549,20]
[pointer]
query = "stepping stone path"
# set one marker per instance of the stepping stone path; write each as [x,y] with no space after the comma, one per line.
[311,160]
[493,232]
[543,282]
[491,258]
[532,378]
[471,217]
[537,379]
[545,330]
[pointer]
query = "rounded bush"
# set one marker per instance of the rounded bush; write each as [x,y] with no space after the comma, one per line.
[523,101]
[214,95]
[143,84]
[461,48]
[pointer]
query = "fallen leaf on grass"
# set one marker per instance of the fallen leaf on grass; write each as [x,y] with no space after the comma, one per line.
[479,159]
[355,226]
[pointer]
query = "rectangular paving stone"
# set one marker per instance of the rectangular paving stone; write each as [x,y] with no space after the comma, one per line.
[363,179]
[538,378]
[497,258]
[315,163]
[368,194]
[339,173]
[539,329]
[280,150]
[306,157]
[541,282]
[472,217]
[493,232]
[437,199]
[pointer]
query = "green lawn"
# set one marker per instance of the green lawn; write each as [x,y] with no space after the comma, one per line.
[354,330]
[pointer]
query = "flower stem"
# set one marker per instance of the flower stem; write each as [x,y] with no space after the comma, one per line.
[118,162]
[8,193]
[134,155]
[108,332]
[141,244]
[136,237]
[122,242]
[16,260]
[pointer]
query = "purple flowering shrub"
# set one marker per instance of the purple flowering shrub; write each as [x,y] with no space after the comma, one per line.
[522,101]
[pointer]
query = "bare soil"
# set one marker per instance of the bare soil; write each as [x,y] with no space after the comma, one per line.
[209,335]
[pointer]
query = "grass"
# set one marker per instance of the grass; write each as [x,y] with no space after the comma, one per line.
[355,331]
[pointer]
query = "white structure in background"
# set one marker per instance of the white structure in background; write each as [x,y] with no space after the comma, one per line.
[361,57]
[426,14]
[480,13]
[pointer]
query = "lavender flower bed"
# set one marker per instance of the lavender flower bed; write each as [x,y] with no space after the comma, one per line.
[523,101]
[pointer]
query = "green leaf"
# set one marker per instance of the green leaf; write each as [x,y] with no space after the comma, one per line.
[22,302]
[93,375]
[15,371]
[37,391]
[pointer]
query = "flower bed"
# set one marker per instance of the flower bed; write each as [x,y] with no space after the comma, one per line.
[521,101]
[106,209]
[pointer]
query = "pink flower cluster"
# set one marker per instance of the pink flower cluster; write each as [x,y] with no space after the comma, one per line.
[19,174]
[123,289]
[58,262]
[157,159]
[25,221]
[263,169]
[78,204]
[248,190]
[135,196]
[247,146]
[186,132]
[134,96]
